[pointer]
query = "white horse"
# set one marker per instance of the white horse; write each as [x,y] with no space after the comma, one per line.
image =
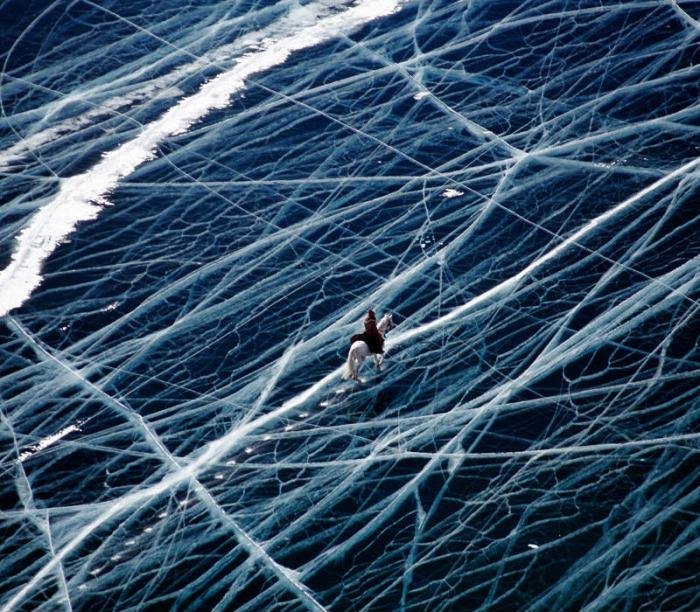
[359,350]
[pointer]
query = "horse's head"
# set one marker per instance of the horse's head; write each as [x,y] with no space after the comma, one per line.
[386,324]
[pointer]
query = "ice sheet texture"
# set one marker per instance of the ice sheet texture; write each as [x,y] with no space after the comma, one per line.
[197,205]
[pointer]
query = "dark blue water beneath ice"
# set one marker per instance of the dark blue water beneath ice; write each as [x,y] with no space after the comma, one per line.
[517,182]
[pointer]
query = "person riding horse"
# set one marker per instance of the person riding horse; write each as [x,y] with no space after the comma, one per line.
[371,336]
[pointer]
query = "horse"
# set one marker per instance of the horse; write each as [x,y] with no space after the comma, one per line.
[359,350]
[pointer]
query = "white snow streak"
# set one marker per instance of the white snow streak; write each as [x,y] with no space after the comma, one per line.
[48,441]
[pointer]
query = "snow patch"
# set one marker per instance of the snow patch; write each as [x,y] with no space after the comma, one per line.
[48,441]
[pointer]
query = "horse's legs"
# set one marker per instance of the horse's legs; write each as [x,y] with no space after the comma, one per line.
[360,360]
[378,360]
[350,371]
[355,359]
[357,362]
[353,366]
[360,356]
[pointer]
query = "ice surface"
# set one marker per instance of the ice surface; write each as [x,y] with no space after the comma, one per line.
[516,181]
[79,197]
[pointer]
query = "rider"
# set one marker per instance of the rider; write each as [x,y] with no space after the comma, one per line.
[371,336]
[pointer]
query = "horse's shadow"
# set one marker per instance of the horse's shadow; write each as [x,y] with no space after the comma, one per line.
[373,396]
[381,403]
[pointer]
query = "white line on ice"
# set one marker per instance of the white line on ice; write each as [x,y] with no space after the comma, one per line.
[48,441]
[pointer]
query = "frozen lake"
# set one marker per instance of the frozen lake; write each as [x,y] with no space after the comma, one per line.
[199,204]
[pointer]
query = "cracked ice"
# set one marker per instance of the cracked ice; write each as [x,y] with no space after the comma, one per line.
[197,206]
